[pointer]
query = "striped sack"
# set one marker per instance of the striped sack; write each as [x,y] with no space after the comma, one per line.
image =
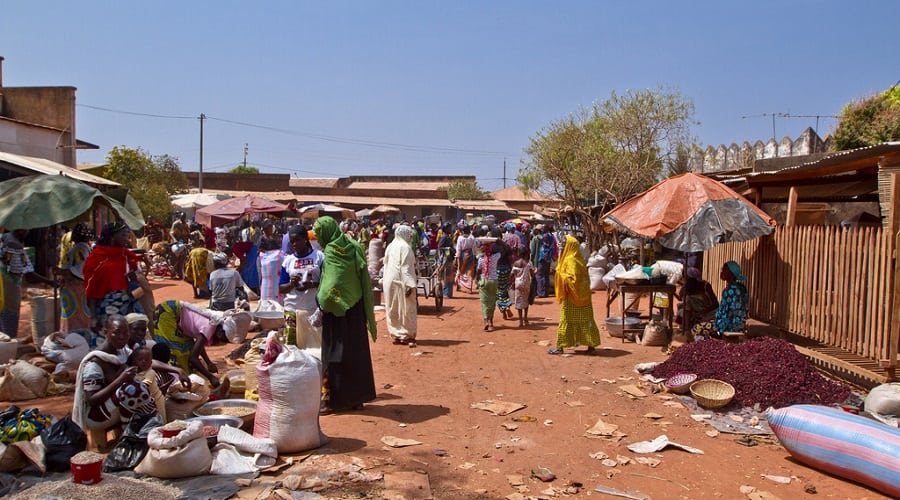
[842,444]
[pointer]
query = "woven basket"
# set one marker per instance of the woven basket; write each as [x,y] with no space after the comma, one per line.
[680,383]
[712,393]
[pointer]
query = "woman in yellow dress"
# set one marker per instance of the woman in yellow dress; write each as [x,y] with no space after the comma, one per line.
[573,291]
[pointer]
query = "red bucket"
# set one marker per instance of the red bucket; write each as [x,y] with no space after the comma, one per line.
[86,473]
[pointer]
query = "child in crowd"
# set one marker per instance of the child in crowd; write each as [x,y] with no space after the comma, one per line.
[520,277]
[142,359]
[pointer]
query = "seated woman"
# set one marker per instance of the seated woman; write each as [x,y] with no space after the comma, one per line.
[732,310]
[106,391]
[186,343]
[698,300]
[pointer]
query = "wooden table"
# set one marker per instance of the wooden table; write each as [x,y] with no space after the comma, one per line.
[668,290]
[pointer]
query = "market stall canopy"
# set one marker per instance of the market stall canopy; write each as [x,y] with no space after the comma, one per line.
[196,200]
[320,209]
[385,209]
[232,209]
[44,200]
[691,213]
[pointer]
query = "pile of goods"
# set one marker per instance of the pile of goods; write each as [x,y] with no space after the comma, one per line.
[764,371]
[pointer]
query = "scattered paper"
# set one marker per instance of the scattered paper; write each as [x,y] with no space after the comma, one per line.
[402,484]
[701,418]
[499,408]
[747,489]
[548,422]
[623,460]
[395,442]
[599,455]
[574,403]
[467,466]
[633,390]
[515,479]
[658,444]
[609,380]
[602,428]
[712,433]
[777,479]
[609,462]
[673,404]
[510,427]
[653,416]
[648,461]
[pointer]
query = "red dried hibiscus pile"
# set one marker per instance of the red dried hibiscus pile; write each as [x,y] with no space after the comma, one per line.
[766,371]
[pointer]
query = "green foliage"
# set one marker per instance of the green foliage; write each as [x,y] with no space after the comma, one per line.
[466,190]
[869,121]
[610,151]
[241,169]
[150,180]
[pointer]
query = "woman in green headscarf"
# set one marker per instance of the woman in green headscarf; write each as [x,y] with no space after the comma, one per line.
[345,299]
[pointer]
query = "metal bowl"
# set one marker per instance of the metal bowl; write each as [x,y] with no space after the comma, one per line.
[269,320]
[220,408]
[614,325]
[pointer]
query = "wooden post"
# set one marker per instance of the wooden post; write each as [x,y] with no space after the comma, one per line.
[890,364]
[791,208]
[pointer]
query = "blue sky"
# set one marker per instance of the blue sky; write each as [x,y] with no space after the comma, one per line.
[369,87]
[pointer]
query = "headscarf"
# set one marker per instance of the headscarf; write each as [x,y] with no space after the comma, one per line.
[82,232]
[405,233]
[735,269]
[110,229]
[572,281]
[345,276]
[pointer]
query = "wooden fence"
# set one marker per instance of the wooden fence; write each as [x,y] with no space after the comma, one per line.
[828,284]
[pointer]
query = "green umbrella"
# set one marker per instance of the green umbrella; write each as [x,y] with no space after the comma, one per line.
[44,200]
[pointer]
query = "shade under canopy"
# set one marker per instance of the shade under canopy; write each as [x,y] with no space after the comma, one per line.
[232,209]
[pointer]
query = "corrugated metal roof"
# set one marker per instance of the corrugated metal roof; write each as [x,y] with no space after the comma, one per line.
[837,159]
[47,167]
[372,201]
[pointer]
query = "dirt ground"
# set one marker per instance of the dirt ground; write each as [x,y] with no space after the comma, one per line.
[425,394]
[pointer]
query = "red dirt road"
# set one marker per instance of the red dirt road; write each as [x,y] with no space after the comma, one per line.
[426,394]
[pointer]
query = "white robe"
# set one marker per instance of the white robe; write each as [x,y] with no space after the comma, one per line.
[400,276]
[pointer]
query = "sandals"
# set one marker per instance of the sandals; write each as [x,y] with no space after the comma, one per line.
[555,351]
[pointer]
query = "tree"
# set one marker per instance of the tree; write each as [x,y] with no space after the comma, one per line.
[150,180]
[869,121]
[243,169]
[609,152]
[466,190]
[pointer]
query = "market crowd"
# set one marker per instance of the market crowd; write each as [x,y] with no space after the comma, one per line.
[323,274]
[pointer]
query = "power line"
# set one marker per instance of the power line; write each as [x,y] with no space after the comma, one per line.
[321,137]
[135,113]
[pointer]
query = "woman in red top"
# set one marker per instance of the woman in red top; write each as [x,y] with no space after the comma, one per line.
[106,270]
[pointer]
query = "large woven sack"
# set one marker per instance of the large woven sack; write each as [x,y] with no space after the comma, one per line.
[20,380]
[884,400]
[840,443]
[289,393]
[596,276]
[184,455]
[656,333]
[66,350]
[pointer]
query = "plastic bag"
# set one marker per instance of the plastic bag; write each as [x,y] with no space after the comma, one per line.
[62,440]
[132,446]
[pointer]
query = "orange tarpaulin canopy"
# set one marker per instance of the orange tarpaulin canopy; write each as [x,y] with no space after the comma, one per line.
[691,213]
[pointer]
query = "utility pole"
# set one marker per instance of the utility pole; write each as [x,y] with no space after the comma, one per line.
[200,177]
[504,173]
[245,156]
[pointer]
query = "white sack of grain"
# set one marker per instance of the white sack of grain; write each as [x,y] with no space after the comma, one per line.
[289,383]
[184,455]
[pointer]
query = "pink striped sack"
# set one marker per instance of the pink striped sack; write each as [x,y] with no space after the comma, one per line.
[842,444]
